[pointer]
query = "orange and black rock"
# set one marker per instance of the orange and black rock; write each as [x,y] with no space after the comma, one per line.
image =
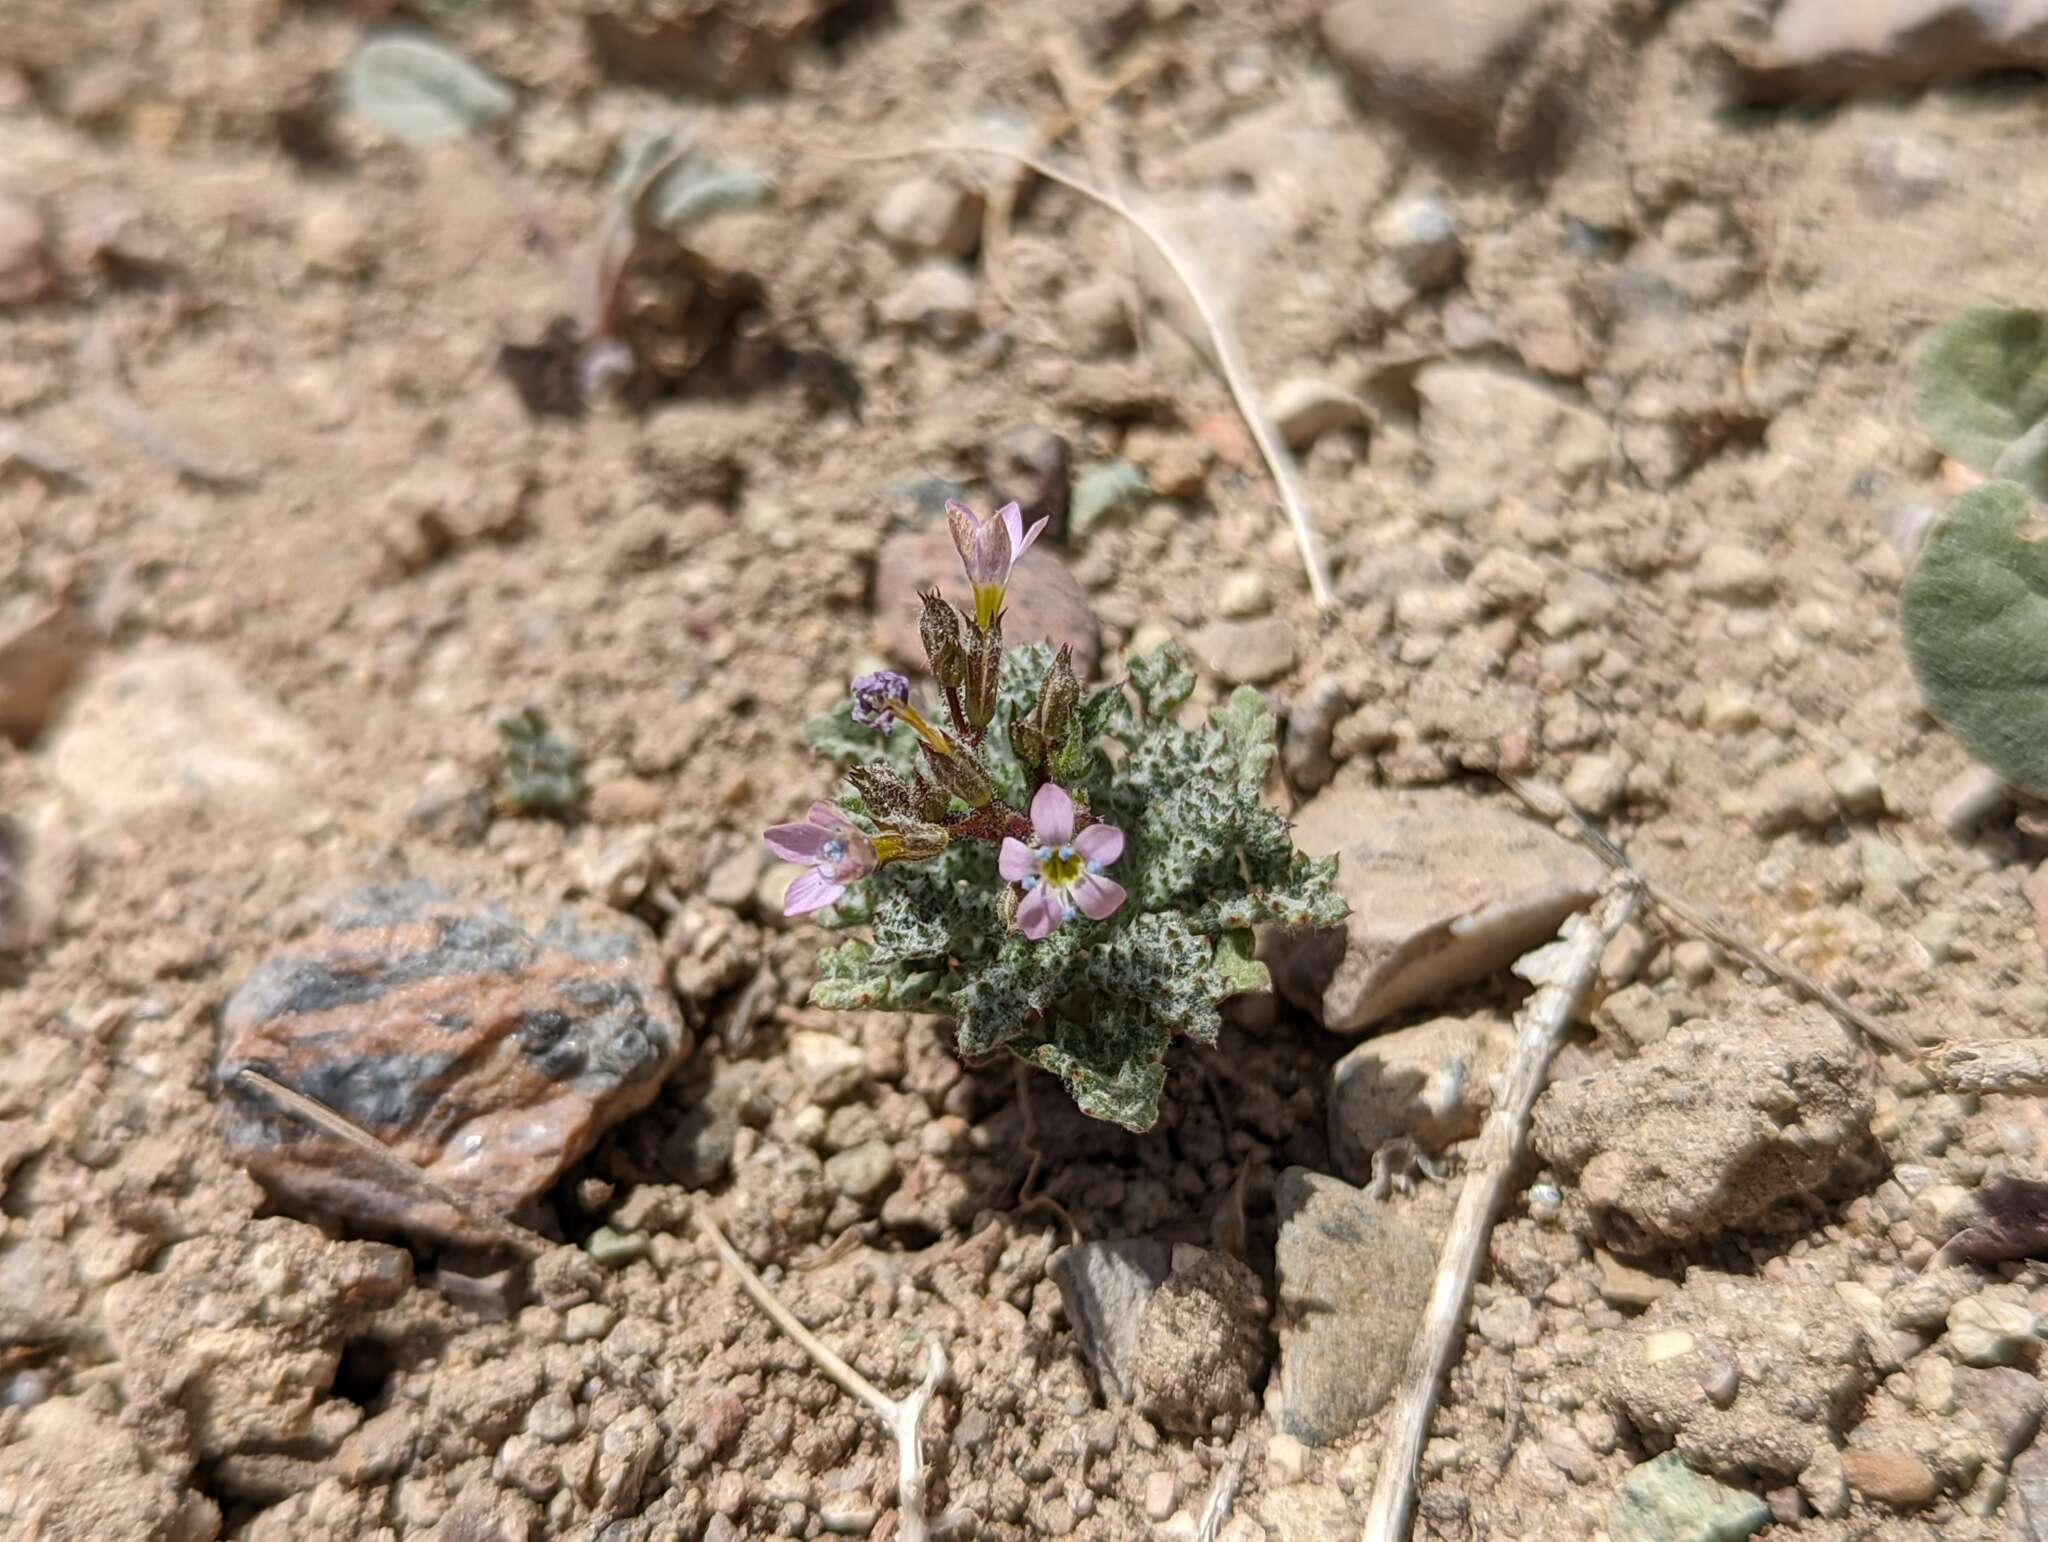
[491,1056]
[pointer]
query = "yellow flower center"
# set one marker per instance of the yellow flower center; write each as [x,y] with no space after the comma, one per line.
[1062,867]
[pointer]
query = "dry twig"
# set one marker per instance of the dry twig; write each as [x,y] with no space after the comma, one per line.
[1550,804]
[1229,358]
[2009,1065]
[319,1116]
[899,1418]
[1562,972]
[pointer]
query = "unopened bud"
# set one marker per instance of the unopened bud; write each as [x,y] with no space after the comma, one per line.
[1058,699]
[960,774]
[939,627]
[889,797]
[984,674]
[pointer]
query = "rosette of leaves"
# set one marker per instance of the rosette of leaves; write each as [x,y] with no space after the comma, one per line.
[1976,604]
[1098,1003]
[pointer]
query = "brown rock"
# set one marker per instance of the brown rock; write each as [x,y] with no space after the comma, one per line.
[491,1057]
[1443,888]
[1891,1476]
[68,1471]
[39,658]
[1046,604]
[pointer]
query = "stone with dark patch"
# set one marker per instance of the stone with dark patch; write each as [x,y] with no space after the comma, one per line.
[490,1055]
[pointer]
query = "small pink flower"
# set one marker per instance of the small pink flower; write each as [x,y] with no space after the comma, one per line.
[989,548]
[834,847]
[1062,873]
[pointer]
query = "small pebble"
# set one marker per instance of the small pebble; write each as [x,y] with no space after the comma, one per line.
[1420,233]
[1986,1331]
[1162,1495]
[1728,571]
[591,1320]
[1855,780]
[616,1249]
[1890,1475]
[552,1419]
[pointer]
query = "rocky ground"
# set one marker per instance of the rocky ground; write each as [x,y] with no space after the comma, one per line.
[1589,320]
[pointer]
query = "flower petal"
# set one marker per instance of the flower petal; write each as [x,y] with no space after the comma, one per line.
[1013,526]
[1015,861]
[1097,896]
[1100,843]
[1041,913]
[1052,815]
[794,843]
[828,816]
[1018,548]
[811,891]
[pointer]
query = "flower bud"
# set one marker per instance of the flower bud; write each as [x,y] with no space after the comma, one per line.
[961,775]
[890,799]
[916,842]
[1027,744]
[984,674]
[932,802]
[1059,697]
[939,627]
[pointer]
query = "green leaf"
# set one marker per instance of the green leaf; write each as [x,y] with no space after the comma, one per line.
[1983,382]
[1163,679]
[1102,490]
[691,192]
[422,91]
[542,772]
[1115,1069]
[1246,721]
[1239,970]
[850,978]
[1976,625]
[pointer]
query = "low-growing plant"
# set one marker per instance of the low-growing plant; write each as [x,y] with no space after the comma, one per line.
[1976,603]
[1072,875]
[643,308]
[542,772]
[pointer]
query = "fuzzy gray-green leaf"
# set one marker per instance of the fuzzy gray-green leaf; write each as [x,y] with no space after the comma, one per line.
[1983,381]
[422,91]
[1976,626]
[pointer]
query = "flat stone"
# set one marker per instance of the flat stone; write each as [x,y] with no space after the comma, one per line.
[1430,1084]
[1104,1287]
[1245,652]
[1708,1128]
[1352,1284]
[1727,570]
[167,729]
[1666,1501]
[491,1056]
[1984,1331]
[1444,889]
[1046,603]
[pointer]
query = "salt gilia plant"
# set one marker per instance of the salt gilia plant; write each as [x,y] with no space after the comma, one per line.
[1976,603]
[1072,875]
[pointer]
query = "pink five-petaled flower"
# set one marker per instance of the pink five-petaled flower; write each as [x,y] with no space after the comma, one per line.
[834,847]
[1063,871]
[989,548]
